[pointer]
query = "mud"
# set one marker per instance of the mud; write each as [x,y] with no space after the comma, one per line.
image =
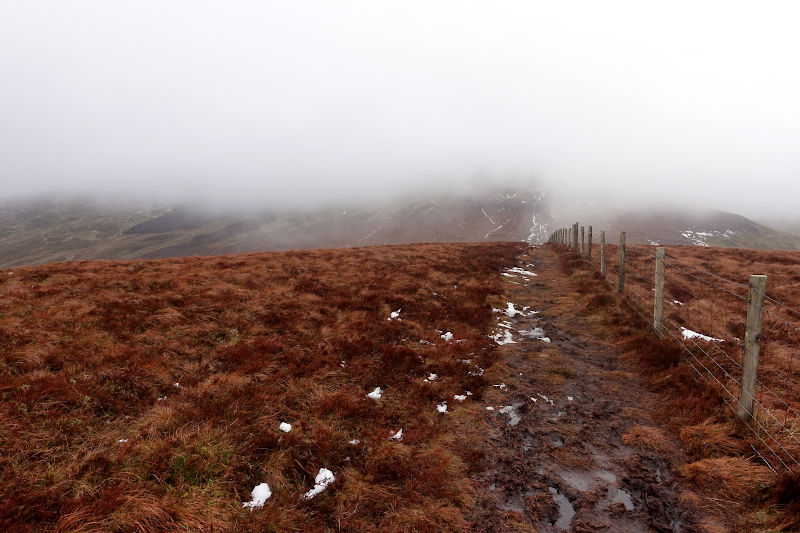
[555,460]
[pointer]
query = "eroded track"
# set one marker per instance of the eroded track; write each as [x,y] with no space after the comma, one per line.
[555,456]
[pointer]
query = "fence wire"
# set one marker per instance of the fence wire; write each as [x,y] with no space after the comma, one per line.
[705,313]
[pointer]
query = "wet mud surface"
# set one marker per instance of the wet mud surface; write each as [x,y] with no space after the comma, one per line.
[555,457]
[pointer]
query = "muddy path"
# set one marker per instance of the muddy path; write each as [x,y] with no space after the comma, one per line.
[558,416]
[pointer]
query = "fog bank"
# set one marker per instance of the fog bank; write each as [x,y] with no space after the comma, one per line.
[269,104]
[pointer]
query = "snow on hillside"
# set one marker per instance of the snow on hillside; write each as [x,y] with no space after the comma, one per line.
[701,238]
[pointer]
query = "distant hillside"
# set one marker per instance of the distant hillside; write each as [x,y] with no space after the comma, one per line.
[50,230]
[707,228]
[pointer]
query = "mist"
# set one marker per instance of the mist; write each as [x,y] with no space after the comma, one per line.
[304,103]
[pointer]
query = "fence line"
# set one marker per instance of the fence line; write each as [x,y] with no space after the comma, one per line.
[718,357]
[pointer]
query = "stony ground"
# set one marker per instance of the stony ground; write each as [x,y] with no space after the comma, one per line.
[573,444]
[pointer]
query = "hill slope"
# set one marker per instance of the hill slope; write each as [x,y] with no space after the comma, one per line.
[58,230]
[691,228]
[150,395]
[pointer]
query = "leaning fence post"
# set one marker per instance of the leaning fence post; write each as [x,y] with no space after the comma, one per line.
[658,308]
[752,344]
[589,245]
[603,252]
[583,246]
[621,286]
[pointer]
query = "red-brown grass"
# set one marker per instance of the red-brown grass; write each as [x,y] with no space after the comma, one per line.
[88,348]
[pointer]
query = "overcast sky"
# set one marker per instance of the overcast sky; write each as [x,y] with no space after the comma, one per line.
[280,101]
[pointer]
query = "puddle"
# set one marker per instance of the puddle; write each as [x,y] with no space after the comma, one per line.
[513,416]
[510,506]
[565,509]
[624,498]
[527,443]
[576,480]
[583,481]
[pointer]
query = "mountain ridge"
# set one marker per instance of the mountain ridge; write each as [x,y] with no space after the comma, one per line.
[45,230]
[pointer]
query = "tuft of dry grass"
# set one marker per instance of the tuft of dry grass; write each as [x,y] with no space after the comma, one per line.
[710,439]
[731,477]
[97,436]
[647,438]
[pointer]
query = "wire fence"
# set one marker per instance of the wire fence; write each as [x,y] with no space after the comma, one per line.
[705,313]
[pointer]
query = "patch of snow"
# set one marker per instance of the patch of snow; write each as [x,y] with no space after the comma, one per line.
[162,398]
[122,440]
[397,436]
[324,478]
[258,495]
[489,408]
[478,372]
[354,442]
[285,427]
[395,315]
[423,341]
[460,397]
[678,303]
[487,216]
[570,398]
[503,337]
[442,407]
[536,333]
[376,394]
[513,416]
[689,334]
[447,336]
[495,229]
[431,377]
[546,399]
[518,270]
[373,233]
[501,386]
[699,238]
[511,311]
[176,385]
[506,274]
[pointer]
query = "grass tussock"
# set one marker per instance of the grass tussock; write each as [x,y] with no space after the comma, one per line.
[710,439]
[730,477]
[147,395]
[647,438]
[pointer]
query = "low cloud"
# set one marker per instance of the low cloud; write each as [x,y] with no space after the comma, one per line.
[305,103]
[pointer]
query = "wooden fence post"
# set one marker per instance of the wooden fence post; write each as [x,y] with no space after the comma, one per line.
[658,308]
[621,286]
[589,245]
[752,344]
[603,252]
[583,246]
[575,237]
